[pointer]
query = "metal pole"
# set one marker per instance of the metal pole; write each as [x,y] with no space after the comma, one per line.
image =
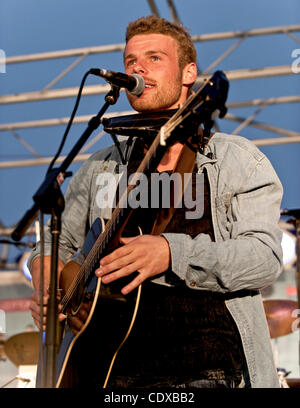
[233,75]
[120,47]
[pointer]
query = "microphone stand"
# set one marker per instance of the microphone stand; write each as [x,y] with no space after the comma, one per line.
[49,200]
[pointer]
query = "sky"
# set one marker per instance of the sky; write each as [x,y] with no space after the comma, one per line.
[33,27]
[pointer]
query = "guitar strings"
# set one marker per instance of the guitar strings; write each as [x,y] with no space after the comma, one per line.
[91,259]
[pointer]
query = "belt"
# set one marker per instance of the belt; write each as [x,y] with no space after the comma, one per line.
[182,289]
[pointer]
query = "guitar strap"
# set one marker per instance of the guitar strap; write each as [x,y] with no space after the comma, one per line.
[184,167]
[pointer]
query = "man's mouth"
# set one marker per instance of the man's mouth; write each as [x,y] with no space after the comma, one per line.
[149,85]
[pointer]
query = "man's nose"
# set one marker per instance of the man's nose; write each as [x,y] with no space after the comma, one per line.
[139,68]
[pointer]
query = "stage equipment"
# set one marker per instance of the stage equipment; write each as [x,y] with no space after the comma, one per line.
[281,316]
[22,350]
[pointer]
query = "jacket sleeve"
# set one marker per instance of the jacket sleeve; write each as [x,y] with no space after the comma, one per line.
[74,218]
[79,203]
[251,257]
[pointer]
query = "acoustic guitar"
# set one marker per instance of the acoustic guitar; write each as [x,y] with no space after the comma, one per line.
[86,357]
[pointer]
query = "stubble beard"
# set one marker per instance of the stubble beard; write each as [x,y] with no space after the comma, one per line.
[158,98]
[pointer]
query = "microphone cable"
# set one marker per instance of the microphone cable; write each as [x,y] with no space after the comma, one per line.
[70,121]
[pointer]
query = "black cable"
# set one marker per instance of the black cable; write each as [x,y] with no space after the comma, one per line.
[6,241]
[70,121]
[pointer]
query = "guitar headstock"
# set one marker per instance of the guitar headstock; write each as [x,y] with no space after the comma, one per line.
[216,90]
[200,106]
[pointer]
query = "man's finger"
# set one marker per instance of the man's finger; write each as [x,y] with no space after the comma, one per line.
[127,240]
[36,298]
[133,284]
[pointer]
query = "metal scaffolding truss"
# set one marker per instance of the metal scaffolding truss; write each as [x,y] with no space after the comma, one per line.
[48,93]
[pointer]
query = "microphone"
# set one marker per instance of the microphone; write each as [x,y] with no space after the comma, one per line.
[134,83]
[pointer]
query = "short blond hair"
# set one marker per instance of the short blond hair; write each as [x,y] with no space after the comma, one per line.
[155,25]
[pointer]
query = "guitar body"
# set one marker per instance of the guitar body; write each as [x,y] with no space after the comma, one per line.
[85,357]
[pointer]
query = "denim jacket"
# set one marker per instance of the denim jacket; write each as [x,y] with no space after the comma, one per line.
[246,254]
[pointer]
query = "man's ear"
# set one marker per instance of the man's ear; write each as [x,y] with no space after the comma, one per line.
[189,74]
